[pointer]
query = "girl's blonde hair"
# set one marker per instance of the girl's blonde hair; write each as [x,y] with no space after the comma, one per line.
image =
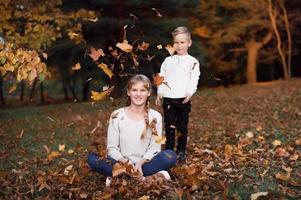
[147,84]
[181,30]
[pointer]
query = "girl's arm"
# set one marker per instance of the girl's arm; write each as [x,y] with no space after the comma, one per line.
[113,138]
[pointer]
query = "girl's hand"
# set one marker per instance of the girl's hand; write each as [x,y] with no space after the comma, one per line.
[138,166]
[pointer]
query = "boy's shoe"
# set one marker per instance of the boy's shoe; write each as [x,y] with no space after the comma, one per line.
[165,174]
[108,181]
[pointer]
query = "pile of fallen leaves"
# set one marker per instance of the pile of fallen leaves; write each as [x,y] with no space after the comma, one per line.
[244,143]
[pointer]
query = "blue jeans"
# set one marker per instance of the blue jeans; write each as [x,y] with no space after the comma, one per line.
[162,161]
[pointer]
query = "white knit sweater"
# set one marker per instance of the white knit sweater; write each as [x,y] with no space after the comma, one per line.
[124,135]
[181,74]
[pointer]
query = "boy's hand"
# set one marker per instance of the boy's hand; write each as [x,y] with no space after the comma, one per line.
[188,97]
[158,100]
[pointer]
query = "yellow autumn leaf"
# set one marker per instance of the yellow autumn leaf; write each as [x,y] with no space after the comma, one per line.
[125,46]
[70,151]
[106,69]
[201,31]
[160,139]
[171,50]
[98,96]
[62,147]
[255,196]
[118,168]
[144,197]
[76,67]
[283,177]
[53,154]
[276,143]
[68,169]
[143,46]
[12,88]
[159,46]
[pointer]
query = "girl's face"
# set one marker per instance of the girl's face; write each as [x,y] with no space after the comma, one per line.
[138,94]
[181,43]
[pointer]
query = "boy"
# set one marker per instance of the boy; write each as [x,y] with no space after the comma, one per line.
[181,74]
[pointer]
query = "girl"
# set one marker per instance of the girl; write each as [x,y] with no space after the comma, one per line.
[131,135]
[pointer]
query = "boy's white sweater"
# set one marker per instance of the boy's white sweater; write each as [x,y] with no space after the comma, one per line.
[181,75]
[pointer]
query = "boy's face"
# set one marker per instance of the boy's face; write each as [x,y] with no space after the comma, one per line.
[181,43]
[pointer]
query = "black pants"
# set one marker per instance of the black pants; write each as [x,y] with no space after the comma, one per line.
[176,118]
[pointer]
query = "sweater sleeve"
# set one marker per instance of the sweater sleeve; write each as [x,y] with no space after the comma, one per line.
[154,147]
[113,145]
[194,78]
[161,87]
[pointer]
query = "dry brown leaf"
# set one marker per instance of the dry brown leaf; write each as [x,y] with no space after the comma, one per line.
[255,196]
[160,139]
[76,67]
[283,177]
[118,168]
[95,54]
[157,79]
[171,50]
[125,46]
[53,154]
[62,147]
[276,143]
[144,197]
[143,46]
[106,69]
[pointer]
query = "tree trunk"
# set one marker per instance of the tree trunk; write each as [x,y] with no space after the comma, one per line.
[42,92]
[22,90]
[65,90]
[279,48]
[252,47]
[1,92]
[85,91]
[289,39]
[32,90]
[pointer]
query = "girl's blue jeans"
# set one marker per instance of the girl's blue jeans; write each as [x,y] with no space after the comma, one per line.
[162,161]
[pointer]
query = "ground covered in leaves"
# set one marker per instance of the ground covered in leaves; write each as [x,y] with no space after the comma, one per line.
[245,143]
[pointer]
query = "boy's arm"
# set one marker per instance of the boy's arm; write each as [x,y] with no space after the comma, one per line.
[194,79]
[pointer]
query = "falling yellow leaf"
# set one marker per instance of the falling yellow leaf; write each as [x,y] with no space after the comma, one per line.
[158,80]
[61,147]
[159,46]
[258,194]
[76,67]
[125,46]
[53,154]
[160,139]
[106,69]
[143,46]
[98,96]
[276,143]
[12,88]
[95,54]
[171,50]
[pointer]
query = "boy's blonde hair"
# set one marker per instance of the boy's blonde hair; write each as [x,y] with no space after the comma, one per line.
[181,30]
